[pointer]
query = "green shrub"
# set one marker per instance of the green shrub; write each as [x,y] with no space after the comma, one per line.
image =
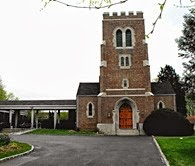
[166,122]
[4,139]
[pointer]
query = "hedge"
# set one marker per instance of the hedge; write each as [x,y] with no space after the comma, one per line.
[166,122]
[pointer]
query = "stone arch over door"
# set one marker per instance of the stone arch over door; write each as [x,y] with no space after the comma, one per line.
[122,103]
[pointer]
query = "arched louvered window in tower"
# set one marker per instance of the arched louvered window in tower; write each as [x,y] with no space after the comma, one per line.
[128,37]
[119,38]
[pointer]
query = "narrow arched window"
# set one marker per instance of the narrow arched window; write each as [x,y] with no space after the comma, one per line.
[119,39]
[122,61]
[127,61]
[128,37]
[90,113]
[160,105]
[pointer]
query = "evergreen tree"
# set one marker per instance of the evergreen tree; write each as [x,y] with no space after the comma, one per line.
[168,74]
[186,46]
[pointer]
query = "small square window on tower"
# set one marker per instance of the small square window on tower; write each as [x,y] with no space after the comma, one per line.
[125,83]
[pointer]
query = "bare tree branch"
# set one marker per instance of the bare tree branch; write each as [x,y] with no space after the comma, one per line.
[110,4]
[90,6]
[159,17]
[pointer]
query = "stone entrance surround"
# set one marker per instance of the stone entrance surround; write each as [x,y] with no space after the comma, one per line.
[114,129]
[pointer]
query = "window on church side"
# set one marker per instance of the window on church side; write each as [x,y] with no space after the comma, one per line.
[119,39]
[160,105]
[90,110]
[128,37]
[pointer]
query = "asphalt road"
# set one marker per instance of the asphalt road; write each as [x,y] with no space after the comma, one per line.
[88,151]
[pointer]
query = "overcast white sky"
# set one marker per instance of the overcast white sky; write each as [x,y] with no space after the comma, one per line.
[44,55]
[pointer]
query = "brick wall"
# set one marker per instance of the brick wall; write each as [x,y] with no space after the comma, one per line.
[84,122]
[111,76]
[144,105]
[168,100]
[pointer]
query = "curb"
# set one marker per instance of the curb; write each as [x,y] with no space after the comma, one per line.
[22,132]
[18,155]
[164,159]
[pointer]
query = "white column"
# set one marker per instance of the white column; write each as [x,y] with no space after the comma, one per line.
[36,119]
[58,117]
[32,118]
[10,118]
[55,119]
[114,118]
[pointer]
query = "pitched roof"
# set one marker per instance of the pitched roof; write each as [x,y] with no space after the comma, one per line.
[88,89]
[162,88]
[38,102]
[158,88]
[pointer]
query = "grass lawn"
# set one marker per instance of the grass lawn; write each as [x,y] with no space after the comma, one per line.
[179,151]
[13,148]
[61,132]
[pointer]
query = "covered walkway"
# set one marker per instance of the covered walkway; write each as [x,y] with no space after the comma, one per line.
[14,107]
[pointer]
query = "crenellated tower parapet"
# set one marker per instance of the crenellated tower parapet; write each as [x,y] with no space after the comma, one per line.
[123,15]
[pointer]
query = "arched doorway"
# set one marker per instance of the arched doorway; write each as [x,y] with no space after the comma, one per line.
[125,116]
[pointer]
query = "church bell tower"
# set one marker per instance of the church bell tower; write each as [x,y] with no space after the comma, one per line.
[124,55]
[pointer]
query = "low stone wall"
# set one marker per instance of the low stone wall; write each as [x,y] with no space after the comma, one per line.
[107,129]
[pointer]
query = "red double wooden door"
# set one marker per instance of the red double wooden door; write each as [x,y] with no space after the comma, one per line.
[125,117]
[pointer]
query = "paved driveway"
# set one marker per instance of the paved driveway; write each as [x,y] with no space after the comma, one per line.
[88,151]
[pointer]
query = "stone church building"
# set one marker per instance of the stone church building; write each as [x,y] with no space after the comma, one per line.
[124,95]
